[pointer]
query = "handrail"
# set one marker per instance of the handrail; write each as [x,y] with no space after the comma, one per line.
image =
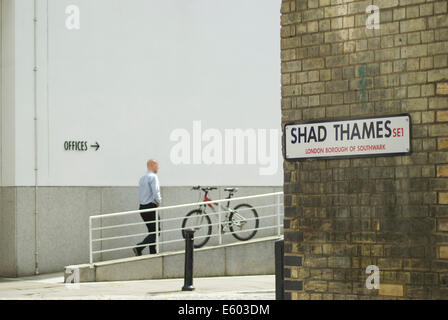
[277,224]
[116,214]
[173,219]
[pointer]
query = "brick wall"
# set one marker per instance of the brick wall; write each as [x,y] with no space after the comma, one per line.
[392,212]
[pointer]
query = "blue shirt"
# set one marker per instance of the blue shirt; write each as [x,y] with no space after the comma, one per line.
[149,189]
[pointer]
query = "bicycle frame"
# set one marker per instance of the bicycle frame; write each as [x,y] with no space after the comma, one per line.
[226,209]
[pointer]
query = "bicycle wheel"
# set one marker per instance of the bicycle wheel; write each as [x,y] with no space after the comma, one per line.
[243,222]
[201,223]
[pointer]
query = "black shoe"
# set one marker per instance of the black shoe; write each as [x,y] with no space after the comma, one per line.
[137,252]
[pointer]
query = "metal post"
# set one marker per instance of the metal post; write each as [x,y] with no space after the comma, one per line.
[278,215]
[188,273]
[279,270]
[157,231]
[219,226]
[90,241]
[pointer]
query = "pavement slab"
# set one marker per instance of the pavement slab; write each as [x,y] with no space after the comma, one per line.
[52,287]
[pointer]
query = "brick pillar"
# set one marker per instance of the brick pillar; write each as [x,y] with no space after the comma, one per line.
[344,215]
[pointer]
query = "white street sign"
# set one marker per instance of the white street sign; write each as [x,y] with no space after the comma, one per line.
[379,136]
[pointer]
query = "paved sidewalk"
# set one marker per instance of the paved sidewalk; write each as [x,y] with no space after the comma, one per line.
[51,287]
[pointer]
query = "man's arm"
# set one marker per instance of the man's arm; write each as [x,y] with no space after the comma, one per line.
[155,187]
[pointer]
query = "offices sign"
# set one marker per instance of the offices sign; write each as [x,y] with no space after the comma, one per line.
[79,146]
[379,136]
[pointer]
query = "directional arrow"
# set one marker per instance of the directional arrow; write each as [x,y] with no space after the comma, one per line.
[97,146]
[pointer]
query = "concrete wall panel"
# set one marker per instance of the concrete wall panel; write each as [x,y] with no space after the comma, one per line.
[256,258]
[63,225]
[8,258]
[25,230]
[139,270]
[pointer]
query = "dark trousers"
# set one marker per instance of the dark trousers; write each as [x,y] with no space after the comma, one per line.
[150,219]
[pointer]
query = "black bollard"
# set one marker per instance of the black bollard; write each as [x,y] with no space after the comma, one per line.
[279,270]
[188,274]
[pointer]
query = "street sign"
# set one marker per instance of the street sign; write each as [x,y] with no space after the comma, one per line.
[351,138]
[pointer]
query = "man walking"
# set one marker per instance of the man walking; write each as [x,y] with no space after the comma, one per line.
[149,197]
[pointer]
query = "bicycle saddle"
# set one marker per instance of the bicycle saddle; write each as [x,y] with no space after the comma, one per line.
[231,189]
[203,188]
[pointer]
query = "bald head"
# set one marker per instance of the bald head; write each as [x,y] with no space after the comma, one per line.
[153,165]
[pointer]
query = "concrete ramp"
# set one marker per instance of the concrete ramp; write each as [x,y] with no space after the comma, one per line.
[255,257]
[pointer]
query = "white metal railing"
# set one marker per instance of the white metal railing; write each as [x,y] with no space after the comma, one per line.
[276,216]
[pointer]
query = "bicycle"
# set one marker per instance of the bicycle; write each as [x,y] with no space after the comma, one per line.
[243,215]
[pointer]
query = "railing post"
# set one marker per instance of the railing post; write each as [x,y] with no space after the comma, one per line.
[188,272]
[157,231]
[219,226]
[90,241]
[279,270]
[278,215]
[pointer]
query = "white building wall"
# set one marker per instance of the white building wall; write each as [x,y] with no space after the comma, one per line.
[135,72]
[8,94]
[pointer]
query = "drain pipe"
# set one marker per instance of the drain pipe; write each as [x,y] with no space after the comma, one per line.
[36,220]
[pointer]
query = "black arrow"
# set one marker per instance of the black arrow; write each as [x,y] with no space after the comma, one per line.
[97,146]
